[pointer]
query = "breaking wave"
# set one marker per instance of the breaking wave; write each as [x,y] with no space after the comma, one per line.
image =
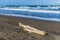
[42,14]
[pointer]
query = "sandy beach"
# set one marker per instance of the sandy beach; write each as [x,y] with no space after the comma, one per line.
[9,24]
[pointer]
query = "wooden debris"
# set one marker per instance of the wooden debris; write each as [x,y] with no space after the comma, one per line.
[32,30]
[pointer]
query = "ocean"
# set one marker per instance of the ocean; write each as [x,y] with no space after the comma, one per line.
[32,13]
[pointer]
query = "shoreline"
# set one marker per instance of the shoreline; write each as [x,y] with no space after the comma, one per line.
[48,26]
[39,24]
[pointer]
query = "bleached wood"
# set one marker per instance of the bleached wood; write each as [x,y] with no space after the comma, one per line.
[32,30]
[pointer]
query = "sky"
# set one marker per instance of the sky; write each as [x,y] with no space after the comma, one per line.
[29,2]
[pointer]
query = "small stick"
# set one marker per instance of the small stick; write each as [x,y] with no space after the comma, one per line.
[32,30]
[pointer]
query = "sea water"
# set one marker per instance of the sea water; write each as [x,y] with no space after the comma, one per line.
[29,13]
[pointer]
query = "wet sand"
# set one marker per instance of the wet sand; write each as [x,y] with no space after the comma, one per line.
[53,28]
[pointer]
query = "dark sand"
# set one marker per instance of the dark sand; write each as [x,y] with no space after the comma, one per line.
[10,30]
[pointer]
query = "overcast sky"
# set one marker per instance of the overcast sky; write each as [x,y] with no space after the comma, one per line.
[29,2]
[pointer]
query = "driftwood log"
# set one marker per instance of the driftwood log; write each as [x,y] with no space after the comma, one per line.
[32,30]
